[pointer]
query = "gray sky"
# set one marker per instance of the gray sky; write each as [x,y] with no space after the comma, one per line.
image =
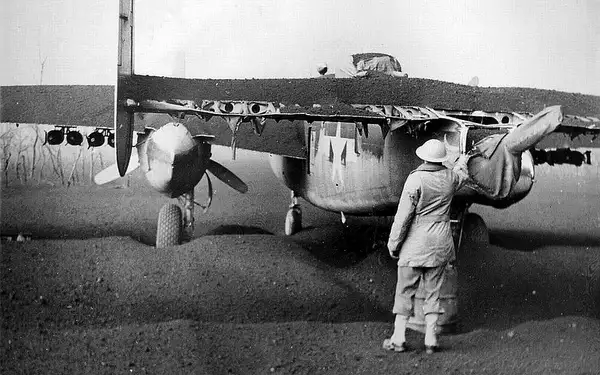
[552,44]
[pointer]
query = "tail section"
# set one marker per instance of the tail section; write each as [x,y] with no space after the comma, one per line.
[123,121]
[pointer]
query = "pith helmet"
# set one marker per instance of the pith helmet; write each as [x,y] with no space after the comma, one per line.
[433,151]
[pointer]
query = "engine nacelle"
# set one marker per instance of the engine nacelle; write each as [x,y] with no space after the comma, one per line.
[523,185]
[172,160]
[520,189]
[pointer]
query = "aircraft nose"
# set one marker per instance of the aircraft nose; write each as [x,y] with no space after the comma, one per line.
[173,138]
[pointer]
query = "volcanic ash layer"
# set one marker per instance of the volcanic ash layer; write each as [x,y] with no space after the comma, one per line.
[93,105]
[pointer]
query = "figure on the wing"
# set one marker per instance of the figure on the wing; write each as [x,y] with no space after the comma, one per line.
[421,239]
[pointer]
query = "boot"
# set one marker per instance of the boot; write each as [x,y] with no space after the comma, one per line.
[397,341]
[431,344]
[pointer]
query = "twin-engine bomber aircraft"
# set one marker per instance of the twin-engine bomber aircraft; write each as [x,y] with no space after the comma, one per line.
[355,160]
[346,152]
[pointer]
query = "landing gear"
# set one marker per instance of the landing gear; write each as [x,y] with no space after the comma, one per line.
[475,232]
[168,232]
[293,219]
[468,229]
[458,212]
[187,201]
[174,227]
[469,232]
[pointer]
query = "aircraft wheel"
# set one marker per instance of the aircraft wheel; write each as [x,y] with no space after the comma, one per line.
[293,221]
[168,232]
[475,231]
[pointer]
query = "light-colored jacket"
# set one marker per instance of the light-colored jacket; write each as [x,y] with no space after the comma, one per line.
[421,230]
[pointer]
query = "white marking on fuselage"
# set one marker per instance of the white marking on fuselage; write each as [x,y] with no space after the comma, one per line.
[338,145]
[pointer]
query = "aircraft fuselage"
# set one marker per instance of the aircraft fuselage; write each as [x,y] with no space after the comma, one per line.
[357,175]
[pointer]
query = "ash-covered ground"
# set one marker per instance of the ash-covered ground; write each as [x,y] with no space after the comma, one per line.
[89,294]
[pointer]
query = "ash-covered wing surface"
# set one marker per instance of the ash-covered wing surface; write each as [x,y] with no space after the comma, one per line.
[81,105]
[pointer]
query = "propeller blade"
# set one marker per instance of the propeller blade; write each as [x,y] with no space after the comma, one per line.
[210,195]
[227,176]
[111,173]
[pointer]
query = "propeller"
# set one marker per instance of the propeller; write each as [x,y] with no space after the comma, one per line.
[227,176]
[210,195]
[222,173]
[111,173]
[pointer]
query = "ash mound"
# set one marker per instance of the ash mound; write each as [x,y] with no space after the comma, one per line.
[225,278]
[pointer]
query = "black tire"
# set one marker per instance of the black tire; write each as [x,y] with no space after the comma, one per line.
[168,232]
[293,221]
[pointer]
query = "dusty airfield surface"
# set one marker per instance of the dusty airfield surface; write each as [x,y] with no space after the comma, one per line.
[90,295]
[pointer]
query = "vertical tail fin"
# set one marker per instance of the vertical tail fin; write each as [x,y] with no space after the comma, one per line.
[123,120]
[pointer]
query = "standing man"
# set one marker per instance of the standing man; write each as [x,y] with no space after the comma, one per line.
[421,239]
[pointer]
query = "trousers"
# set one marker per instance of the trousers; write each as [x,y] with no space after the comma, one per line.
[409,279]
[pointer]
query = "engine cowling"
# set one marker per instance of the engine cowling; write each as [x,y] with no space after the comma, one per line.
[522,186]
[501,169]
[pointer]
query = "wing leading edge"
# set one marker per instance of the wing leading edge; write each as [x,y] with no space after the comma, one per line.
[93,106]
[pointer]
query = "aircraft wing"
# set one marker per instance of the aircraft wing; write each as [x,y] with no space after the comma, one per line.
[291,141]
[76,105]
[236,123]
[154,100]
[574,132]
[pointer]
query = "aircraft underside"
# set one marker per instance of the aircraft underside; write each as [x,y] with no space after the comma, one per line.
[356,178]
